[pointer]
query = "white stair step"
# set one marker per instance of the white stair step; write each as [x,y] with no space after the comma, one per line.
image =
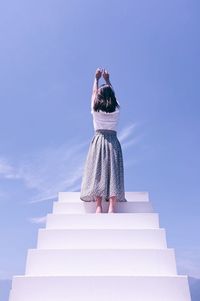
[89,207]
[105,221]
[129,196]
[102,238]
[100,288]
[101,262]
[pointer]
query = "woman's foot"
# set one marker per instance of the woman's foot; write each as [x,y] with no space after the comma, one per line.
[99,209]
[99,206]
[112,205]
[111,209]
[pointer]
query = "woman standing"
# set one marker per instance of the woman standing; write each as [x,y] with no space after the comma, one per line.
[103,175]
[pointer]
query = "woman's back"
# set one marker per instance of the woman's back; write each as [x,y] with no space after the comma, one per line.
[104,107]
[104,120]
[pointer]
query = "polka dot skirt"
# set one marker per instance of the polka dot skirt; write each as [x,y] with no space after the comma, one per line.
[103,173]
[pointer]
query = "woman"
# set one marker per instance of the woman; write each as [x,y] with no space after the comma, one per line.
[103,176]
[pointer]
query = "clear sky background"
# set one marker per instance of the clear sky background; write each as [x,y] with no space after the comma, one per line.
[49,51]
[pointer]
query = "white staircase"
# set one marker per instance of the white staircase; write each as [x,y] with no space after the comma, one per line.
[84,256]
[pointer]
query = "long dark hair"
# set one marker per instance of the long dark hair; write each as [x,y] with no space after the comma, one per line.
[105,99]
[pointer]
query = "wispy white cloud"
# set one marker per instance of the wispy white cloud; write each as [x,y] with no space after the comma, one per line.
[48,171]
[126,132]
[128,137]
[53,170]
[38,220]
[7,171]
[57,168]
[131,142]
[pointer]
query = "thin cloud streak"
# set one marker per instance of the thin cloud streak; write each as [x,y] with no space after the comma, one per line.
[38,220]
[48,171]
[129,143]
[60,171]
[56,169]
[126,132]
[43,198]
[7,171]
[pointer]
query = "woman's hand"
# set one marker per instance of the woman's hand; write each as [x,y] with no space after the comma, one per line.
[96,82]
[98,73]
[106,75]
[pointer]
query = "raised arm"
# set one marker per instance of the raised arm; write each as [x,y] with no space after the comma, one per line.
[106,76]
[95,85]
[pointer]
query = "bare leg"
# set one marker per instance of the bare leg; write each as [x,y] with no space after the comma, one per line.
[112,202]
[99,205]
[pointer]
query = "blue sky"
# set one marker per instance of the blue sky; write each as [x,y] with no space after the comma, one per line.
[49,53]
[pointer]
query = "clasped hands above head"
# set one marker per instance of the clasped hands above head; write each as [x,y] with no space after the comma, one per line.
[102,72]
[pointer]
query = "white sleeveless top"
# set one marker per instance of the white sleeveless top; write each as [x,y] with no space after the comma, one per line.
[104,120]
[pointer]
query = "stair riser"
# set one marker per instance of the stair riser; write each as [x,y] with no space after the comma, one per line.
[129,195]
[89,207]
[101,262]
[139,288]
[102,238]
[122,221]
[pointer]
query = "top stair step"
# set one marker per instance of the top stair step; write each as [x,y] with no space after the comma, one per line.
[90,207]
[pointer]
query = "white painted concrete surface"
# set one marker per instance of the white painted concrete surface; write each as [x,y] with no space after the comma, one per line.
[84,256]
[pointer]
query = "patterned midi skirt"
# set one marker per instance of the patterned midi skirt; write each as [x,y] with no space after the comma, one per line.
[103,173]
